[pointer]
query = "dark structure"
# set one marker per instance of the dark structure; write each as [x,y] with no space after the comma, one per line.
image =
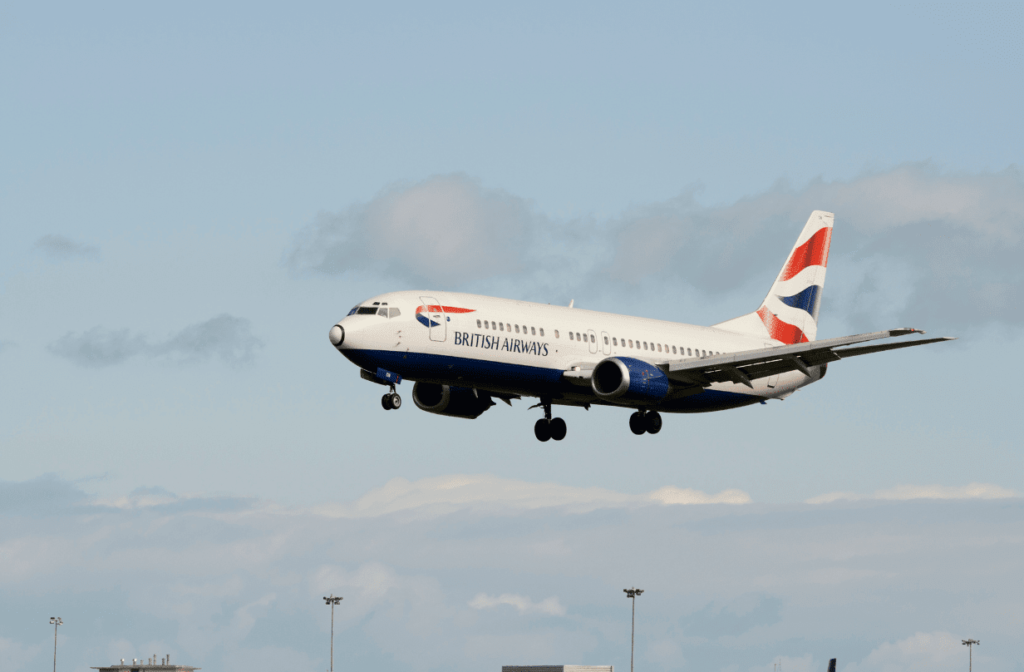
[148,665]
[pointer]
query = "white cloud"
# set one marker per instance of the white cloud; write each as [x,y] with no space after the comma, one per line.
[922,652]
[550,606]
[445,494]
[907,492]
[918,245]
[62,248]
[226,337]
[444,228]
[470,592]
[15,655]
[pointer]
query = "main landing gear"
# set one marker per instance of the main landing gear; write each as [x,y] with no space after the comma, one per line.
[645,421]
[548,427]
[391,401]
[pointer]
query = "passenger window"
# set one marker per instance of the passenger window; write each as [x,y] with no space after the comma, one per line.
[689,352]
[631,342]
[593,338]
[673,349]
[508,327]
[606,340]
[659,347]
[556,333]
[645,345]
[615,341]
[395,312]
[570,336]
[533,331]
[542,331]
[517,328]
[479,324]
[501,325]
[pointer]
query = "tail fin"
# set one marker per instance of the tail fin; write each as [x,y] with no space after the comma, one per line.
[832,665]
[789,314]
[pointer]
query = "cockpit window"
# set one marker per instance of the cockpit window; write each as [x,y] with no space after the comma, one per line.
[367,310]
[383,312]
[353,311]
[395,312]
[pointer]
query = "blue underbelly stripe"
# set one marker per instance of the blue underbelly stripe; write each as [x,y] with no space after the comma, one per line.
[532,380]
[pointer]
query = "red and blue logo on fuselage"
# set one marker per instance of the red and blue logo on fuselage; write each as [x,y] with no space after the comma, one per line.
[435,310]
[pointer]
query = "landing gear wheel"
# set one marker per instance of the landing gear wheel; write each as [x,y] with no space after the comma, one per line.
[636,423]
[396,401]
[652,422]
[542,430]
[557,429]
[385,401]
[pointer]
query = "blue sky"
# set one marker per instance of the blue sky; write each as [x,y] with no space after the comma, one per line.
[190,196]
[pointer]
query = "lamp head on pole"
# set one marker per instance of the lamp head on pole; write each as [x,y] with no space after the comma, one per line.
[55,620]
[332,600]
[970,642]
[632,592]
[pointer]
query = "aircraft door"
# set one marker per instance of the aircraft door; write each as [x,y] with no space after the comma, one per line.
[431,314]
[592,337]
[606,343]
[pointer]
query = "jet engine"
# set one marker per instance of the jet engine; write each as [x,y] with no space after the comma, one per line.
[457,402]
[623,379]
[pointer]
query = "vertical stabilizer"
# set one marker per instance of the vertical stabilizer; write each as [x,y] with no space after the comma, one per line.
[789,314]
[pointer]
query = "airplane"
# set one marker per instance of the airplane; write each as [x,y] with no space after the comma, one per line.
[463,351]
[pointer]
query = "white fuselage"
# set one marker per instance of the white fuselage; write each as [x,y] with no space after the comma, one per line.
[520,348]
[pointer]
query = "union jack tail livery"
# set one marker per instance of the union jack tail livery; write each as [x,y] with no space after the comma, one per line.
[789,314]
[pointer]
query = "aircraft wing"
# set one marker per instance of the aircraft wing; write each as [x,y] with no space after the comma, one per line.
[743,367]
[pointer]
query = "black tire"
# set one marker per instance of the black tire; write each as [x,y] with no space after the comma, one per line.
[652,422]
[542,430]
[557,428]
[396,401]
[385,401]
[636,423]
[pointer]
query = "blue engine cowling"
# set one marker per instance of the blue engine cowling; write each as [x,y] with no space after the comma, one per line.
[626,379]
[456,402]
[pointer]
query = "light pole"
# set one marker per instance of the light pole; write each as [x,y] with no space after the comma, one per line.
[631,593]
[55,621]
[332,600]
[969,643]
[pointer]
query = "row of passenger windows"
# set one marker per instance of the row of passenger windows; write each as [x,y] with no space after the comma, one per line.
[505,326]
[591,338]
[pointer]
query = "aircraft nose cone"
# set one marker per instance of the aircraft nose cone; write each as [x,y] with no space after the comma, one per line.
[337,335]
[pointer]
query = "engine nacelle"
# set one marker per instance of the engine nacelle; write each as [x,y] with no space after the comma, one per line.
[457,402]
[626,379]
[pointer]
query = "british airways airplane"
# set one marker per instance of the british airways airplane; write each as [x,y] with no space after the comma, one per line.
[464,351]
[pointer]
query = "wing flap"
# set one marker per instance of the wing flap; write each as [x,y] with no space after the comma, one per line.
[744,367]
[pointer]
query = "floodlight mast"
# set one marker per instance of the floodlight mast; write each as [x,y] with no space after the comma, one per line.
[631,593]
[969,643]
[55,621]
[332,600]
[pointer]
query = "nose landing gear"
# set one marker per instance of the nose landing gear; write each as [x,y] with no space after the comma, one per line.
[548,427]
[645,422]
